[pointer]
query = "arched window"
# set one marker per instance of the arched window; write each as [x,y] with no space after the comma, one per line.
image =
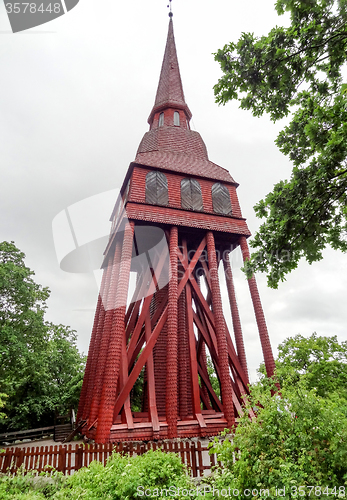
[156,188]
[176,118]
[161,119]
[191,198]
[221,199]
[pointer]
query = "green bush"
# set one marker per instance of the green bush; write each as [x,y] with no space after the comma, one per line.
[123,475]
[299,439]
[28,486]
[123,478]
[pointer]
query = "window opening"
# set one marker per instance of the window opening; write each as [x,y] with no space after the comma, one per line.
[221,199]
[176,118]
[191,197]
[156,188]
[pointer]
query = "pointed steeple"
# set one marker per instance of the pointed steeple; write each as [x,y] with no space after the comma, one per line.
[170,144]
[170,90]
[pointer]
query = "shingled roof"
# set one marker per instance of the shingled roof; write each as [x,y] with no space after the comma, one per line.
[172,147]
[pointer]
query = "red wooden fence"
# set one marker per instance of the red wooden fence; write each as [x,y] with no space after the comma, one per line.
[68,459]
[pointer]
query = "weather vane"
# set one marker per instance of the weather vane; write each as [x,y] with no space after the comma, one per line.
[170,7]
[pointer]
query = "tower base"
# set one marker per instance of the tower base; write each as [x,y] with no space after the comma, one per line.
[214,423]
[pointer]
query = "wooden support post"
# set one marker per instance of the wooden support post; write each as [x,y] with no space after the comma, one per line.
[108,396]
[172,355]
[226,387]
[140,362]
[105,332]
[193,360]
[88,379]
[152,403]
[123,376]
[99,334]
[259,314]
[235,315]
[183,355]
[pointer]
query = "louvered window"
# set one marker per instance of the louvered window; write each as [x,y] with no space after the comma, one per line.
[221,199]
[191,198]
[156,188]
[176,118]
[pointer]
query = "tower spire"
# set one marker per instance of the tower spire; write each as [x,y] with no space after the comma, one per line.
[170,90]
[170,6]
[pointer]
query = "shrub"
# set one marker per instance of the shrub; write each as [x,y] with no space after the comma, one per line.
[299,439]
[123,475]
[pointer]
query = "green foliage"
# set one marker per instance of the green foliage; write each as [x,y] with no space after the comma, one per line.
[30,486]
[121,477]
[2,404]
[299,439]
[297,70]
[41,369]
[118,480]
[319,362]
[213,376]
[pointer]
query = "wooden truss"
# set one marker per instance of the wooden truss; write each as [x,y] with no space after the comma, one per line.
[166,343]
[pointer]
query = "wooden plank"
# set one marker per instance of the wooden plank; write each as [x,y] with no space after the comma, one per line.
[200,467]
[79,457]
[193,360]
[124,373]
[146,305]
[140,363]
[62,459]
[152,404]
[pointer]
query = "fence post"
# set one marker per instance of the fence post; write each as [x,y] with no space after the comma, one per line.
[20,460]
[79,457]
[8,460]
[193,453]
[62,459]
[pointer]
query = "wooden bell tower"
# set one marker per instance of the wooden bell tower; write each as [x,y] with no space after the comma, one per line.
[176,221]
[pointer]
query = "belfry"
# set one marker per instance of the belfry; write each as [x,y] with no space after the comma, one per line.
[151,355]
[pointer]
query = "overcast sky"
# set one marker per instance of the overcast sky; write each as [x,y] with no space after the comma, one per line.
[75,97]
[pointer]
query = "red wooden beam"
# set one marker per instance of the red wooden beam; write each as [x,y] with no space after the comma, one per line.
[140,362]
[226,387]
[193,360]
[172,340]
[235,315]
[152,403]
[108,395]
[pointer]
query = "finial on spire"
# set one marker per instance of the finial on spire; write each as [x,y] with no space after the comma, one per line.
[170,7]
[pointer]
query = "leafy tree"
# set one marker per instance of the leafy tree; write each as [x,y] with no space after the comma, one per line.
[41,369]
[2,404]
[319,362]
[299,440]
[297,71]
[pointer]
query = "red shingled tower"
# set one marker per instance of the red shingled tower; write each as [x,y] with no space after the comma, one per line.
[176,221]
